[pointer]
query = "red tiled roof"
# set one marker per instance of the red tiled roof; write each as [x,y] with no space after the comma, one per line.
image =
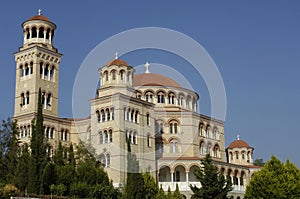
[117,62]
[150,79]
[239,144]
[39,17]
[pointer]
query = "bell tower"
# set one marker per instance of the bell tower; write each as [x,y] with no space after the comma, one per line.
[37,66]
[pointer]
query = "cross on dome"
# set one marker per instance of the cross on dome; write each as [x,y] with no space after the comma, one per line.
[39,11]
[147,67]
[238,137]
[116,55]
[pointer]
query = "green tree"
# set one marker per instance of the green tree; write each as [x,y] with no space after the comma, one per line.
[49,177]
[71,157]
[169,194]
[9,150]
[150,186]
[258,162]
[59,155]
[134,177]
[38,151]
[176,194]
[161,194]
[275,180]
[213,184]
[21,177]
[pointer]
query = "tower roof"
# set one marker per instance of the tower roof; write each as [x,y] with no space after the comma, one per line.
[39,17]
[117,62]
[239,144]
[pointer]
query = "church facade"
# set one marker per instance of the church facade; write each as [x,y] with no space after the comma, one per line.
[156,114]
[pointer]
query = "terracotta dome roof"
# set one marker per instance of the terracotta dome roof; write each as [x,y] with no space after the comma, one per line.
[149,79]
[117,62]
[39,17]
[239,144]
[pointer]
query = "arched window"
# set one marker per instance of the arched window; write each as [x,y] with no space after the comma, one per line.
[112,113]
[52,73]
[136,117]
[174,148]
[207,131]
[214,133]
[107,162]
[105,137]
[200,129]
[236,155]
[202,148]
[148,119]
[148,140]
[113,74]
[106,76]
[180,100]
[102,116]
[33,32]
[149,96]
[31,68]
[101,140]
[161,98]
[122,74]
[102,159]
[160,127]
[132,116]
[110,140]
[134,138]
[173,127]
[107,115]
[216,151]
[98,115]
[41,32]
[171,98]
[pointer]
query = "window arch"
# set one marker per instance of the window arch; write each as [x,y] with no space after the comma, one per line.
[208,148]
[101,138]
[148,140]
[122,72]
[171,98]
[200,129]
[105,74]
[105,136]
[161,97]
[173,126]
[214,133]
[202,148]
[149,96]
[113,74]
[98,115]
[174,146]
[207,131]
[33,32]
[110,138]
[216,151]
[180,99]
[148,119]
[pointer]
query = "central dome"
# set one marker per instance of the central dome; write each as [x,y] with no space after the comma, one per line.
[239,144]
[149,79]
[117,62]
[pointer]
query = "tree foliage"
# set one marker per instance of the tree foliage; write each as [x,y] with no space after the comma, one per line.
[275,180]
[213,184]
[38,151]
[134,177]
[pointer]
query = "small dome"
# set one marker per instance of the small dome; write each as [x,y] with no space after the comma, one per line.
[150,79]
[39,17]
[239,144]
[117,62]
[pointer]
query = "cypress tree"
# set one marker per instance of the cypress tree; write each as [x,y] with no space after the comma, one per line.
[38,151]
[71,157]
[134,177]
[21,178]
[213,184]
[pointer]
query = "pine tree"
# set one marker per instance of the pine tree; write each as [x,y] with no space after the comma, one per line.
[134,177]
[213,184]
[38,152]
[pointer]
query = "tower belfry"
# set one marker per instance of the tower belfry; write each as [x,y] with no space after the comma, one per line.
[37,66]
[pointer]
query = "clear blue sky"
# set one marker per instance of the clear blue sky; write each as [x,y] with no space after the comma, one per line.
[255,44]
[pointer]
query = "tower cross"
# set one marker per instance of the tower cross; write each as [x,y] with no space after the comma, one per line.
[147,67]
[116,55]
[40,11]
[238,137]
